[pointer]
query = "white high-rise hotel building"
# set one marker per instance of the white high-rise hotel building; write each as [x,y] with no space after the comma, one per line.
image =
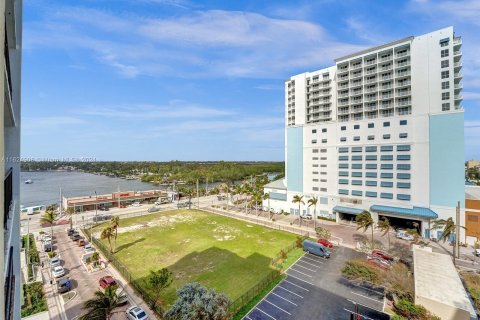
[381,130]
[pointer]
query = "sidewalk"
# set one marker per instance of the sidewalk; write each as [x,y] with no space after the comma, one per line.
[54,301]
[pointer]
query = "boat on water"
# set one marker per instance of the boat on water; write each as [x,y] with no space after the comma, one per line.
[29,181]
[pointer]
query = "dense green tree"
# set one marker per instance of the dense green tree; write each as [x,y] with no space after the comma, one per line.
[159,280]
[102,305]
[199,303]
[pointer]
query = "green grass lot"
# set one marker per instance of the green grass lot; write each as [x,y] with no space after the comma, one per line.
[225,254]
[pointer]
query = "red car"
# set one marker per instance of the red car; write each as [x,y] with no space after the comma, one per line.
[379,262]
[107,281]
[325,243]
[382,255]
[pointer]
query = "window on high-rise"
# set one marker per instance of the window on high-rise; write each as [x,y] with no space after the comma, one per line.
[444,64]
[445,95]
[445,74]
[444,53]
[445,85]
[445,106]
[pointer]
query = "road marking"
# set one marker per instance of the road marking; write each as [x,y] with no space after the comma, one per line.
[361,295]
[301,272]
[246,317]
[318,261]
[296,285]
[277,307]
[364,305]
[291,292]
[284,298]
[377,292]
[309,263]
[265,313]
[361,315]
[300,279]
[297,265]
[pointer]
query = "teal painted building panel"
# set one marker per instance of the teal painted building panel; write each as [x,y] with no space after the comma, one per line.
[447,160]
[295,159]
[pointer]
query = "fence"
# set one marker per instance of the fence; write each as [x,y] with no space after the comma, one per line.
[265,223]
[147,297]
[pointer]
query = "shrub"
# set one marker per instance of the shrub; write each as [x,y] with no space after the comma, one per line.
[399,281]
[35,301]
[323,233]
[283,254]
[409,310]
[299,242]
[397,317]
[472,281]
[361,271]
[51,254]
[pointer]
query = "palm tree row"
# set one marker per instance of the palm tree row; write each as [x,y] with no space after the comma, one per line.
[111,232]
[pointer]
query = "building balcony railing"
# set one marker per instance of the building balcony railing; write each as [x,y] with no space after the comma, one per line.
[386,77]
[386,58]
[369,99]
[403,74]
[458,86]
[457,40]
[458,97]
[403,64]
[374,89]
[403,84]
[403,93]
[402,54]
[370,80]
[386,68]
[370,71]
[355,75]
[404,103]
[457,53]
[386,106]
[386,87]
[343,103]
[458,75]
[386,96]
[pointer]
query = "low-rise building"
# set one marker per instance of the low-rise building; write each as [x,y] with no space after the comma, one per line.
[472,164]
[472,214]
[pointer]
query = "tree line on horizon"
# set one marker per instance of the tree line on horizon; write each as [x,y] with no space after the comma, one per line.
[151,171]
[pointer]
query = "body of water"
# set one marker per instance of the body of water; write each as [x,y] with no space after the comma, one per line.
[45,188]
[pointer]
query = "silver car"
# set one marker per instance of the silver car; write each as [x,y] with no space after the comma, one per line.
[55,261]
[136,313]
[58,272]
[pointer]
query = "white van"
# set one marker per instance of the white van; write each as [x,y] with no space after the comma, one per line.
[136,204]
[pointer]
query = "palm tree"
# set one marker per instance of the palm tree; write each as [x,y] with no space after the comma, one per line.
[49,217]
[299,199]
[365,221]
[70,211]
[385,227]
[266,196]
[101,306]
[313,202]
[238,191]
[189,192]
[257,198]
[114,224]
[449,230]
[107,233]
[247,191]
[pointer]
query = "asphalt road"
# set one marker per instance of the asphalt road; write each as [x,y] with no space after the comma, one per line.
[314,289]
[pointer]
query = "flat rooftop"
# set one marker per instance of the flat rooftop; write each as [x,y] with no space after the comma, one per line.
[472,192]
[437,279]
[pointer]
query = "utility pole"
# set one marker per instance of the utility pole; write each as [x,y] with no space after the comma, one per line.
[457,232]
[96,200]
[61,202]
[198,197]
[28,244]
[118,196]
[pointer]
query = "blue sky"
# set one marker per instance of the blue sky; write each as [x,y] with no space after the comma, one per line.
[176,79]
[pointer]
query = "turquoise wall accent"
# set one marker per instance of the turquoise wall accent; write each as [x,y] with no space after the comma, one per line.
[295,159]
[447,160]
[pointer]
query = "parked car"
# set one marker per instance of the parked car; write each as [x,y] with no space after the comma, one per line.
[136,204]
[121,296]
[405,236]
[325,243]
[103,208]
[477,252]
[379,262]
[153,209]
[74,234]
[55,261]
[136,313]
[88,248]
[107,281]
[81,242]
[316,249]
[70,231]
[58,271]
[381,254]
[47,246]
[63,285]
[47,237]
[76,237]
[102,217]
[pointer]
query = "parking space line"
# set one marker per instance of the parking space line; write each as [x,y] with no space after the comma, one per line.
[312,259]
[377,292]
[284,298]
[297,265]
[291,292]
[311,264]
[301,272]
[296,285]
[247,317]
[300,279]
[265,313]
[364,305]
[273,304]
[361,315]
[361,295]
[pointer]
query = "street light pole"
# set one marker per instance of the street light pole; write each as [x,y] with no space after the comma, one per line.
[96,199]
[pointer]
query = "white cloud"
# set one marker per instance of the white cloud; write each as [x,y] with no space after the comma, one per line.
[365,31]
[175,109]
[39,125]
[194,44]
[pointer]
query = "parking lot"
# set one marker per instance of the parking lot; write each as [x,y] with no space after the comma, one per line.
[84,283]
[315,289]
